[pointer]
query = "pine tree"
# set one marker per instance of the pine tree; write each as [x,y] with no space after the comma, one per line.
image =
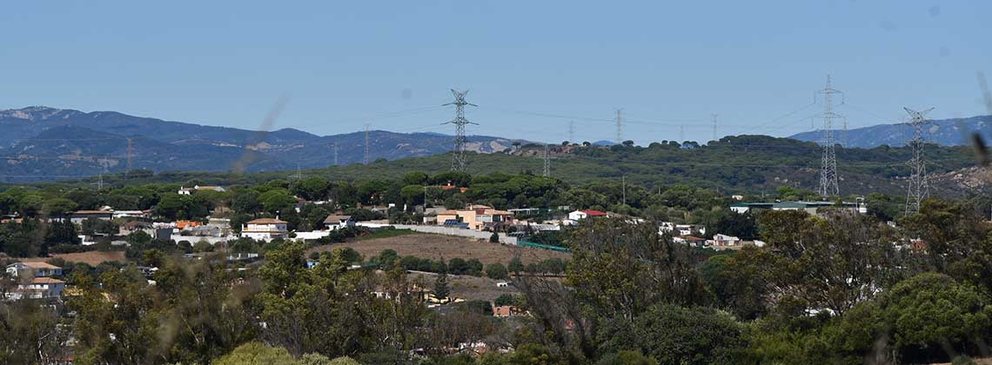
[441,289]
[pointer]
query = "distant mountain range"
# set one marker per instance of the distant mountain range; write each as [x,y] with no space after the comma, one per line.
[947,132]
[42,143]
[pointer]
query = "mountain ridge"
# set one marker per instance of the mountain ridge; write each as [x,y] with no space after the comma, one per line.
[946,132]
[31,150]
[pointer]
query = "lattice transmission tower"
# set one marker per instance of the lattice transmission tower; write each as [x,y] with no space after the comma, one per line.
[918,187]
[458,160]
[366,158]
[619,126]
[547,161]
[829,185]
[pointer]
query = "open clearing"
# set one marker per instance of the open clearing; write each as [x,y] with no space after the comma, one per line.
[467,287]
[437,246]
[92,258]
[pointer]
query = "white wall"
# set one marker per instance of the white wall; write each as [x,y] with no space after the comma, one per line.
[448,231]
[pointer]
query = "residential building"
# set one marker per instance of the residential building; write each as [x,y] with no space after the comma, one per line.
[477,217]
[503,311]
[33,269]
[189,191]
[690,240]
[583,214]
[79,216]
[808,206]
[338,221]
[681,229]
[38,288]
[722,240]
[130,214]
[265,229]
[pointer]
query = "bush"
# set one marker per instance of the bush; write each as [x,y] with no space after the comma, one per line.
[626,358]
[497,271]
[677,335]
[505,299]
[67,248]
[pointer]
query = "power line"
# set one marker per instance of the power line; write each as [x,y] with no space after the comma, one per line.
[458,161]
[918,188]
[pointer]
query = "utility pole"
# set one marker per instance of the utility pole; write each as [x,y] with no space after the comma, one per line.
[828,165]
[619,126]
[366,144]
[458,161]
[919,187]
[547,161]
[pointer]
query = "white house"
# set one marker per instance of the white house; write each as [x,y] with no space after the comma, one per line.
[189,191]
[337,221]
[33,268]
[265,229]
[583,214]
[725,240]
[38,288]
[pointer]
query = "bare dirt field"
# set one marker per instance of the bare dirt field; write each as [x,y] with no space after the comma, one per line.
[437,246]
[92,258]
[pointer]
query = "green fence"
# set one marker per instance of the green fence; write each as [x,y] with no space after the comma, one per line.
[530,244]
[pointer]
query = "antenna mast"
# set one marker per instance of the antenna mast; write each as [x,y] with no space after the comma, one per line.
[458,160]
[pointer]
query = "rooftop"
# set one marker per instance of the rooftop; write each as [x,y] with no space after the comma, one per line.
[336,218]
[46,280]
[594,213]
[267,221]
[38,265]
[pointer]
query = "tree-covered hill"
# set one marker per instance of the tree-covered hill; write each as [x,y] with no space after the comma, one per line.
[741,164]
[733,164]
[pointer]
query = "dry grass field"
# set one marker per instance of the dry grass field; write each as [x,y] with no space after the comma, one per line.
[437,246]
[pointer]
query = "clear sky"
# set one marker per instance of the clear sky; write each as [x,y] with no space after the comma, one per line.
[532,66]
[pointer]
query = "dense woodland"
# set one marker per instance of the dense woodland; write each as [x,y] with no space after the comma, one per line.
[834,288]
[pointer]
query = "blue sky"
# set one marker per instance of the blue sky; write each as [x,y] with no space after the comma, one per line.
[532,66]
